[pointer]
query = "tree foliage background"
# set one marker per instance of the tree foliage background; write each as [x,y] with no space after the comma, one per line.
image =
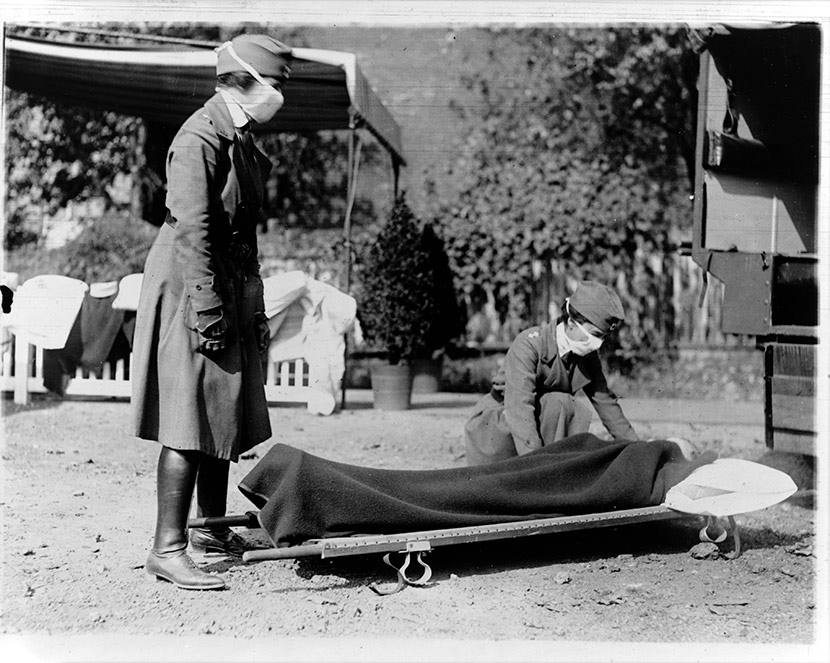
[579,162]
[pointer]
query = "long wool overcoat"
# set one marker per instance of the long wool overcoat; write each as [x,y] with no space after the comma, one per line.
[186,400]
[506,421]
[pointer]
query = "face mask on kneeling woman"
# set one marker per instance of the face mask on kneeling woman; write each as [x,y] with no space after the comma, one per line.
[584,346]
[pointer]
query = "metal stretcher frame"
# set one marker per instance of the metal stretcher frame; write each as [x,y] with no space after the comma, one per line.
[420,542]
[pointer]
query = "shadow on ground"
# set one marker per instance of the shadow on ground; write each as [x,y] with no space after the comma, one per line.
[645,542]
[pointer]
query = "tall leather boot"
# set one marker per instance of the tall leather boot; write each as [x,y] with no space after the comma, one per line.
[168,560]
[211,501]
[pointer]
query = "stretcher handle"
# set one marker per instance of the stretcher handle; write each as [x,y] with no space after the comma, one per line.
[248,519]
[290,552]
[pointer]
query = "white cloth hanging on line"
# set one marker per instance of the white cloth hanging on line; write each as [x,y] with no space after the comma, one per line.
[45,308]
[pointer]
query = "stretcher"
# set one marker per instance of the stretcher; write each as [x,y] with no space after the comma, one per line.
[417,544]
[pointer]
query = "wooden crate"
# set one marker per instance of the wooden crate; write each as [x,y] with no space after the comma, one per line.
[790,391]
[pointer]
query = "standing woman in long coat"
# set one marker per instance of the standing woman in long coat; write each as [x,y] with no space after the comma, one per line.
[197,379]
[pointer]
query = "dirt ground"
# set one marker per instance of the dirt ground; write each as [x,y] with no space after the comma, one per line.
[78,509]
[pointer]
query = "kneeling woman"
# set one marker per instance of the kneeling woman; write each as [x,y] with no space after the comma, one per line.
[532,403]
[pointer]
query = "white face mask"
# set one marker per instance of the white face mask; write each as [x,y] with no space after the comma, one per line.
[260,102]
[587,345]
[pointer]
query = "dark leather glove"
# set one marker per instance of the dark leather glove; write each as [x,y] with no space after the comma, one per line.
[263,332]
[213,331]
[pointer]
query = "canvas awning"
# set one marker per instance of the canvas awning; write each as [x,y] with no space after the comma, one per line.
[326,91]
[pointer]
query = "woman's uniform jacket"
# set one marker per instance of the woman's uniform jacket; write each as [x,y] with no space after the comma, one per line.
[205,256]
[531,369]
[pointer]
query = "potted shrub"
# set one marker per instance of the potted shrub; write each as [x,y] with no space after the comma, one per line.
[448,322]
[395,304]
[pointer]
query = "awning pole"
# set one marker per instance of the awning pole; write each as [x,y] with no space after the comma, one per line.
[347,221]
[351,186]
[396,170]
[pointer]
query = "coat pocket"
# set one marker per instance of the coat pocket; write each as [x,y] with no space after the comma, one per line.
[186,311]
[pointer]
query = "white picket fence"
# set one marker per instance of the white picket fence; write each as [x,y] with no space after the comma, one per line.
[21,373]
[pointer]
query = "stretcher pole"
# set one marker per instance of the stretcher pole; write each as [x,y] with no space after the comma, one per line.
[425,540]
[248,519]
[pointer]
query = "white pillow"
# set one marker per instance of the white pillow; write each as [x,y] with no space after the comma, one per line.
[730,486]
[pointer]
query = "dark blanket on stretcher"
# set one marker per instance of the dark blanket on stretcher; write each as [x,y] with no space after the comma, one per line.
[302,496]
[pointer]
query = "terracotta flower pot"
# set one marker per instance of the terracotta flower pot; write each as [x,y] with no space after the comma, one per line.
[391,386]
